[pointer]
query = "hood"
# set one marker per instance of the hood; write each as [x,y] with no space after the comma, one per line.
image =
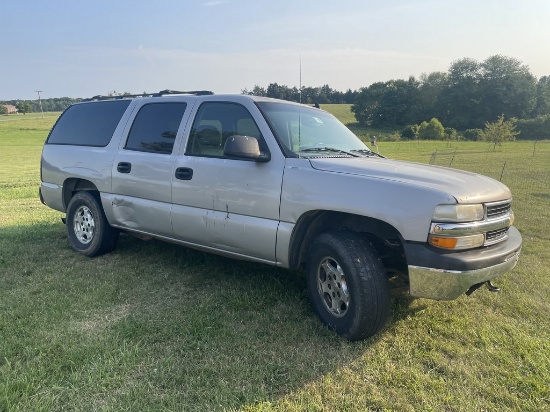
[465,187]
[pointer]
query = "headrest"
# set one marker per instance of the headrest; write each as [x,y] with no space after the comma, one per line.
[209,136]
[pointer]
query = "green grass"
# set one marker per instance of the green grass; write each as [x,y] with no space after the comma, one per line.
[154,326]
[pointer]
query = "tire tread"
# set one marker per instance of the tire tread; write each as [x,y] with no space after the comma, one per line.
[371,303]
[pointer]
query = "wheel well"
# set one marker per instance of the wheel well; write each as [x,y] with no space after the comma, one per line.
[73,185]
[387,240]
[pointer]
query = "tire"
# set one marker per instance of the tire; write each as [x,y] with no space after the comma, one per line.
[347,284]
[87,227]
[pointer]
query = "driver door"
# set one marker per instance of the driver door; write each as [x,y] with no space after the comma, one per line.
[225,204]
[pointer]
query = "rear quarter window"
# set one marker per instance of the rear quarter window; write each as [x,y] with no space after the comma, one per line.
[88,124]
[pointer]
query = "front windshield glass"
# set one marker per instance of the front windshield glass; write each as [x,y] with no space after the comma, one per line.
[309,132]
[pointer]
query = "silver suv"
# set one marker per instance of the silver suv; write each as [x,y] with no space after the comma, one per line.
[279,183]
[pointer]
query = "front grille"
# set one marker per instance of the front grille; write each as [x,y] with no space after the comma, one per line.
[495,236]
[495,210]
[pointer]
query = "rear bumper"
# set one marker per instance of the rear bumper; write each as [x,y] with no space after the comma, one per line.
[434,274]
[52,196]
[40,195]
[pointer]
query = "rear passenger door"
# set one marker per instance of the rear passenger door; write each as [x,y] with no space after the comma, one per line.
[143,166]
[221,203]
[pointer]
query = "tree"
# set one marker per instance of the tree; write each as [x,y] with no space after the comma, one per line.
[433,130]
[460,99]
[114,93]
[23,107]
[410,132]
[3,109]
[476,92]
[386,104]
[506,86]
[450,134]
[283,92]
[542,96]
[396,104]
[306,95]
[534,129]
[349,96]
[500,131]
[256,91]
[429,94]
[472,134]
[367,103]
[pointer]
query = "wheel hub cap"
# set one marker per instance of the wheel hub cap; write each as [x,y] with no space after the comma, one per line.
[332,287]
[84,225]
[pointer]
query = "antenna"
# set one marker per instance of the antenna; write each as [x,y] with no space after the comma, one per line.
[300,111]
[300,93]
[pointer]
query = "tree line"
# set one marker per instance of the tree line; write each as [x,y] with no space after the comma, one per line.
[465,98]
[468,95]
[309,95]
[322,95]
[57,104]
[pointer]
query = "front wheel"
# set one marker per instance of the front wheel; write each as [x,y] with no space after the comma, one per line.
[347,284]
[88,230]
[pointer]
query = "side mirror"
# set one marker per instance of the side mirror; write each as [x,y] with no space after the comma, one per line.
[244,148]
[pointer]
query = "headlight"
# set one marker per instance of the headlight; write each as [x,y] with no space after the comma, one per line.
[458,213]
[451,224]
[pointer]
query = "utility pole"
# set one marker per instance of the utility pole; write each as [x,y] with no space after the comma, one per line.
[40,102]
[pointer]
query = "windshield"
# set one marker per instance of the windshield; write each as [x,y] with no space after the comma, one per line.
[309,132]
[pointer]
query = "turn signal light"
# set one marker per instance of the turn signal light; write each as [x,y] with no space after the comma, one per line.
[444,242]
[457,243]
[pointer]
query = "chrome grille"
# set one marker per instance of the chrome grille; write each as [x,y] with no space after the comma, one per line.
[495,236]
[498,209]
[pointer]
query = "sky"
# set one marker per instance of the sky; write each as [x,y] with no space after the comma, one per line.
[77,48]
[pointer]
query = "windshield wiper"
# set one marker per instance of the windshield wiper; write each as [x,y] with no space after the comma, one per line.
[367,152]
[328,149]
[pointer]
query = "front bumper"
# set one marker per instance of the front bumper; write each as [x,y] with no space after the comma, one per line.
[434,274]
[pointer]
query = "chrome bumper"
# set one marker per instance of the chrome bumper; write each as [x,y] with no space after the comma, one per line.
[441,284]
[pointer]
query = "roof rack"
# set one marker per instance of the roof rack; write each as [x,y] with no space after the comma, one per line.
[159,94]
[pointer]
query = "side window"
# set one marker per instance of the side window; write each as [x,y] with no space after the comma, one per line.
[214,123]
[155,127]
[88,124]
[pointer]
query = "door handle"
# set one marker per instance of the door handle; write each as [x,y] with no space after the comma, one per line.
[184,173]
[124,167]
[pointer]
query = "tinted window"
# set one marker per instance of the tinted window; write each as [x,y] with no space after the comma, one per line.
[155,127]
[215,123]
[88,124]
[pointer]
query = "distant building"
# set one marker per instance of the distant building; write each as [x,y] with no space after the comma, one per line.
[11,109]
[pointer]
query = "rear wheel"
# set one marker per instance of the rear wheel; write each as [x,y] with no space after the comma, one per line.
[87,227]
[347,283]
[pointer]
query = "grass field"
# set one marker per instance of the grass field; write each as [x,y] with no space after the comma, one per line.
[154,326]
